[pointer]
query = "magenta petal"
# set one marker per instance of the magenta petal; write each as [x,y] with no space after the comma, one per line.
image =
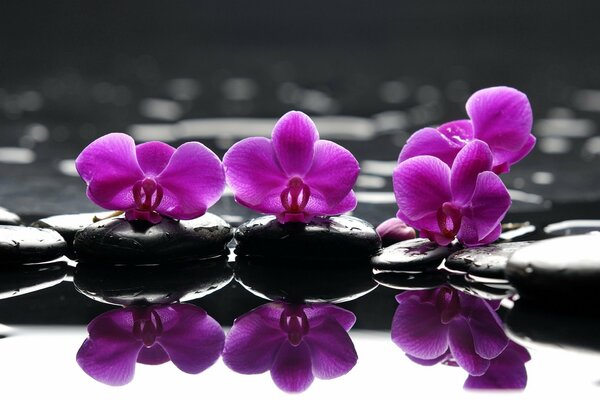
[254,340]
[195,342]
[153,157]
[421,187]
[507,371]
[109,354]
[242,163]
[430,142]
[333,353]
[333,172]
[481,216]
[109,166]
[294,137]
[463,351]
[508,157]
[459,131]
[473,159]
[501,117]
[154,355]
[319,313]
[192,181]
[489,339]
[429,363]
[318,205]
[292,369]
[418,330]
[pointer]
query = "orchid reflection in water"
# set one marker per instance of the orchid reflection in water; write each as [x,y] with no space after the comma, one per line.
[295,342]
[118,339]
[447,326]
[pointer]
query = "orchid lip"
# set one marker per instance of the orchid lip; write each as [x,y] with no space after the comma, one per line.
[148,328]
[449,219]
[147,194]
[294,322]
[295,196]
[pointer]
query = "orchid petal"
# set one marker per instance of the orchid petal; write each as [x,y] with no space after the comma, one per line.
[501,117]
[473,159]
[487,207]
[333,172]
[292,369]
[318,205]
[459,131]
[192,181]
[110,168]
[319,313]
[421,187]
[154,355]
[507,371]
[195,342]
[417,329]
[489,339]
[333,353]
[255,175]
[430,142]
[507,157]
[429,363]
[153,157]
[294,137]
[460,341]
[109,354]
[254,340]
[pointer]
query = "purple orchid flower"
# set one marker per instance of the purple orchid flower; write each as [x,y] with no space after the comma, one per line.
[507,371]
[153,335]
[445,325]
[294,176]
[295,342]
[500,116]
[467,201]
[151,179]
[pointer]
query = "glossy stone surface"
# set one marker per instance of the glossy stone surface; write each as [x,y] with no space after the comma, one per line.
[152,284]
[415,255]
[17,280]
[408,281]
[485,290]
[572,227]
[298,281]
[564,271]
[329,237]
[21,245]
[69,224]
[138,242]
[9,218]
[487,262]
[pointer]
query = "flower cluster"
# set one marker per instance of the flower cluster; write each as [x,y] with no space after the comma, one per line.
[446,182]
[447,326]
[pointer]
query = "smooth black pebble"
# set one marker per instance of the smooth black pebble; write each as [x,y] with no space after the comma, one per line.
[408,281]
[329,237]
[9,218]
[118,241]
[17,280]
[485,290]
[564,271]
[23,245]
[414,255]
[485,262]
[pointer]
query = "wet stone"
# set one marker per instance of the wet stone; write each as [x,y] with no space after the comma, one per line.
[23,245]
[564,271]
[485,262]
[17,280]
[118,241]
[155,284]
[414,255]
[485,290]
[572,227]
[9,218]
[295,280]
[408,281]
[342,236]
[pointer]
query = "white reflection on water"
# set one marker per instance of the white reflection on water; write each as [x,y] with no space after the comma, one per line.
[163,109]
[16,155]
[67,167]
[564,127]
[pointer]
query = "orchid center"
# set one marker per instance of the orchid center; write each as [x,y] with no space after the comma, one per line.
[448,304]
[147,194]
[295,196]
[294,322]
[148,328]
[449,218]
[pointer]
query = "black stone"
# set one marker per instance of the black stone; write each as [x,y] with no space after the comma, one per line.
[408,281]
[295,280]
[485,290]
[23,245]
[563,271]
[414,255]
[330,237]
[17,280]
[486,262]
[152,284]
[574,329]
[9,218]
[572,227]
[118,241]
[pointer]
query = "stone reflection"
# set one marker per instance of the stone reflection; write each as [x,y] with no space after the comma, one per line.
[295,342]
[446,326]
[181,333]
